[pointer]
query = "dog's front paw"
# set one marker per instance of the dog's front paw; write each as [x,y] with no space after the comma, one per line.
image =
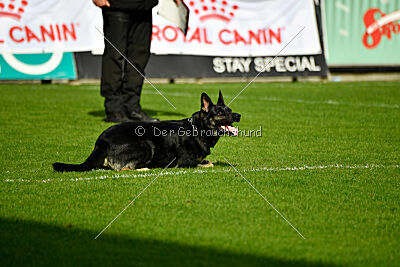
[142,170]
[206,164]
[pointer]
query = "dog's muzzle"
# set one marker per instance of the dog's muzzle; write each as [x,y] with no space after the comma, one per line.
[236,117]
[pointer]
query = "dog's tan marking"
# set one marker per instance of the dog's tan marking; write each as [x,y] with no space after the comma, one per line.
[206,164]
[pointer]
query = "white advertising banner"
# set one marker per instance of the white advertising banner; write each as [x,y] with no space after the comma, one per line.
[216,28]
[37,26]
[241,28]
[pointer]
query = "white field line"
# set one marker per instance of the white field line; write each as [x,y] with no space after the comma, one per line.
[302,101]
[334,102]
[282,85]
[196,171]
[277,99]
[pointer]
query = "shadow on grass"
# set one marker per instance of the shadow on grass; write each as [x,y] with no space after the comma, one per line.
[221,164]
[31,243]
[151,113]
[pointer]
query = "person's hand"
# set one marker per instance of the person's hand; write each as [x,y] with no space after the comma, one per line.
[101,3]
[178,2]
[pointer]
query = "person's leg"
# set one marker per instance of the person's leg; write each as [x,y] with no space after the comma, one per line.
[116,31]
[138,53]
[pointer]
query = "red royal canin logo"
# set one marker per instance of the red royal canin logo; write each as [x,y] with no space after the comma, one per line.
[12,8]
[213,9]
[220,35]
[41,33]
[386,25]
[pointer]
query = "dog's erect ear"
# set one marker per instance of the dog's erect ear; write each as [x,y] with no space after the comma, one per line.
[206,102]
[220,99]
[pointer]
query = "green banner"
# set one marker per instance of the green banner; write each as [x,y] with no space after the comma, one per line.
[37,66]
[362,32]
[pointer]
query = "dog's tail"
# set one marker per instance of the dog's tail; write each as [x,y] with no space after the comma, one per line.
[93,162]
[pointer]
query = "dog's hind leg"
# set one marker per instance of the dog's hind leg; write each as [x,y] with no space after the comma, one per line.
[130,156]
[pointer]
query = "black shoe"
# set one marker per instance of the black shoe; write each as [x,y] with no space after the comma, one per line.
[141,116]
[116,117]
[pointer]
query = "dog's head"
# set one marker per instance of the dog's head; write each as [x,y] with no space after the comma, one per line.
[218,117]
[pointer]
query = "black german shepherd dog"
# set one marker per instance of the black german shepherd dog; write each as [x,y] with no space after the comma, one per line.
[136,145]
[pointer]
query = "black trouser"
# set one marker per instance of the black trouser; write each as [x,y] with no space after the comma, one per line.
[130,32]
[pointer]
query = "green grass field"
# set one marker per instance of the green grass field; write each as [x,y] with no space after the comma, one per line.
[328,160]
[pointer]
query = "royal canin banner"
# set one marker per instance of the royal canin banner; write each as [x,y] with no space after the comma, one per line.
[37,26]
[216,28]
[241,28]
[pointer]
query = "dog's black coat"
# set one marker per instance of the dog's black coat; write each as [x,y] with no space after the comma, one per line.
[188,141]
